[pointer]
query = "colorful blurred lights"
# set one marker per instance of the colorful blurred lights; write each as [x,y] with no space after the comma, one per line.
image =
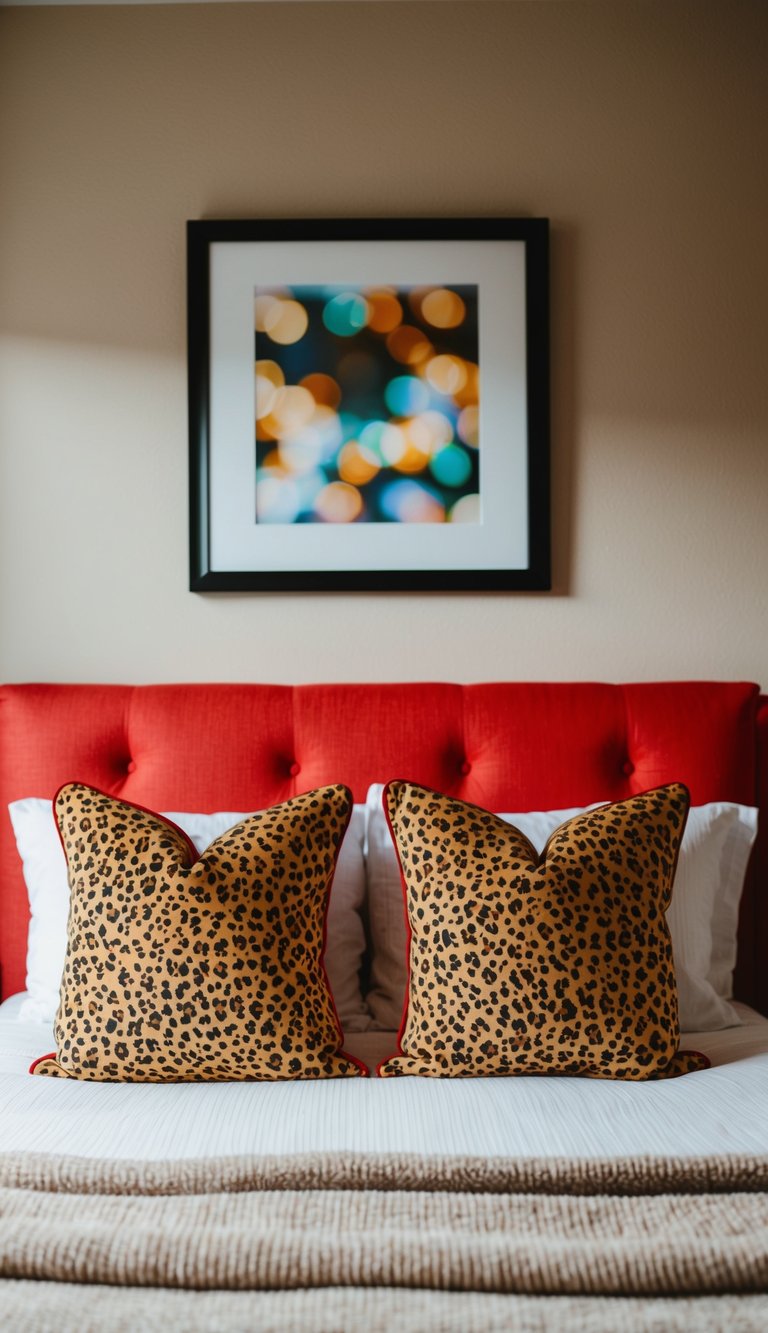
[324,388]
[447,374]
[385,311]
[338,502]
[357,465]
[292,407]
[277,500]
[406,501]
[466,510]
[409,345]
[262,306]
[385,441]
[285,321]
[442,308]
[269,378]
[270,370]
[405,394]
[346,314]
[451,466]
[392,445]
[351,436]
[300,453]
[468,425]
[265,396]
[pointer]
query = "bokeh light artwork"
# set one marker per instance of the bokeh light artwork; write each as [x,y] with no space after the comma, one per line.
[367,404]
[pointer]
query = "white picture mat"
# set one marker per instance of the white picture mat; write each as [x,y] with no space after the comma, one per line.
[500,541]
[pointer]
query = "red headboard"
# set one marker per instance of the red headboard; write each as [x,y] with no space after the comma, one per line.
[504,746]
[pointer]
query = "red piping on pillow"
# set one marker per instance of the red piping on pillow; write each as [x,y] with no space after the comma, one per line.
[134,805]
[701,1056]
[408,932]
[50,1056]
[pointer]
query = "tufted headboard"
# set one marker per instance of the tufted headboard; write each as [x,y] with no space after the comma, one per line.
[506,746]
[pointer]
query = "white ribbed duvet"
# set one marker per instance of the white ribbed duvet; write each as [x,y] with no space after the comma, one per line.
[723,1109]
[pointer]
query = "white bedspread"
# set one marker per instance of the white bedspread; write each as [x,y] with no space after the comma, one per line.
[722,1109]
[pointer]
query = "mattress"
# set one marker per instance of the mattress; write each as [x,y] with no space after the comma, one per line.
[719,1110]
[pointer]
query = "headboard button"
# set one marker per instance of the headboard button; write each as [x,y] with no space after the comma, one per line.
[130,767]
[465,767]
[294,769]
[628,768]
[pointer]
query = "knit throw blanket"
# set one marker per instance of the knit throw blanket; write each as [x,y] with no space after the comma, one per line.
[389,1241]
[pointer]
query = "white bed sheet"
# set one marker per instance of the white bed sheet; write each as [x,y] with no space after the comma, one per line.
[722,1109]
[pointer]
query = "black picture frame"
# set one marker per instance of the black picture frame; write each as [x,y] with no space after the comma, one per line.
[512,255]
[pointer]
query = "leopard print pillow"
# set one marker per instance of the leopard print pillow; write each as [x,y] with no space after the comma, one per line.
[187,968]
[528,964]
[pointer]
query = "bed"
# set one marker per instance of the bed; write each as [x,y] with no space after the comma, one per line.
[476,1203]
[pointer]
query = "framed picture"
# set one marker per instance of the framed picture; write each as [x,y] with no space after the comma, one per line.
[369,404]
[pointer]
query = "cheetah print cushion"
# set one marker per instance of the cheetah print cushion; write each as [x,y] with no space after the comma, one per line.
[192,968]
[528,964]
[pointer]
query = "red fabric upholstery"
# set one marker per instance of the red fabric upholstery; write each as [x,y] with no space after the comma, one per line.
[510,746]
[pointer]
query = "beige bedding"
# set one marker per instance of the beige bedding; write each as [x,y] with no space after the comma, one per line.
[347,1242]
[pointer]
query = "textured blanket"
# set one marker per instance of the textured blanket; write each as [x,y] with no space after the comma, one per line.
[382,1242]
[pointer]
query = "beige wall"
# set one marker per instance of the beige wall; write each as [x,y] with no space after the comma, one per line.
[637,126]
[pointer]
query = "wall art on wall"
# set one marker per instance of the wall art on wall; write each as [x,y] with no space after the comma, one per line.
[369,404]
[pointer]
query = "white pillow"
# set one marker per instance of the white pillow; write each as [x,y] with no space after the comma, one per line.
[45,874]
[702,918]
